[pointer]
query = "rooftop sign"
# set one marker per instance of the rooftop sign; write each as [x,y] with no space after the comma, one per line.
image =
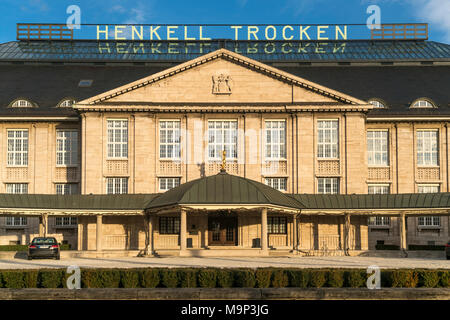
[195,32]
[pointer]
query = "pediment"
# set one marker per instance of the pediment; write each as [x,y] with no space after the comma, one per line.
[221,77]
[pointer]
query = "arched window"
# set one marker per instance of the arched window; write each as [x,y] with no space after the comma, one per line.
[422,103]
[22,103]
[66,103]
[377,103]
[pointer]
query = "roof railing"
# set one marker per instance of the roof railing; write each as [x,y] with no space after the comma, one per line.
[27,31]
[400,31]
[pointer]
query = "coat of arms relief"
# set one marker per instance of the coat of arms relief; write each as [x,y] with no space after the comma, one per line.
[222,83]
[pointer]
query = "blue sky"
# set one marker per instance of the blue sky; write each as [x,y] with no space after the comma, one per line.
[435,12]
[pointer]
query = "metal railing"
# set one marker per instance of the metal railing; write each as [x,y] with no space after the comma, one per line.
[29,31]
[414,31]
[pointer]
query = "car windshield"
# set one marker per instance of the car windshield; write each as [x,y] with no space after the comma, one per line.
[44,241]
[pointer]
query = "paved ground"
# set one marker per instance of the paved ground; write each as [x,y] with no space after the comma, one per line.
[229,262]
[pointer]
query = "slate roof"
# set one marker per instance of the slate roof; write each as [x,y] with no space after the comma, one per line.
[223,188]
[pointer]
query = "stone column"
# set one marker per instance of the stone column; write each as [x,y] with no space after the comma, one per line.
[295,235]
[99,232]
[264,236]
[183,226]
[151,248]
[403,232]
[43,221]
[347,234]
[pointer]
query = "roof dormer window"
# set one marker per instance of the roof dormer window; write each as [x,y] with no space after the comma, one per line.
[66,103]
[377,103]
[22,103]
[422,103]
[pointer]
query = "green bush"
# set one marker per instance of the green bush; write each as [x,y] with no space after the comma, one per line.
[23,247]
[129,279]
[279,279]
[428,278]
[263,277]
[299,277]
[51,278]
[335,278]
[169,278]
[404,278]
[207,278]
[444,275]
[187,278]
[355,278]
[225,278]
[30,278]
[13,279]
[149,278]
[244,278]
[318,278]
[100,278]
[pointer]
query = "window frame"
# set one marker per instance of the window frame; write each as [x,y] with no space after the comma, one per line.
[430,103]
[330,178]
[110,145]
[379,221]
[424,165]
[378,103]
[74,161]
[281,225]
[379,185]
[421,221]
[266,179]
[23,221]
[323,144]
[23,152]
[71,185]
[281,145]
[15,103]
[223,144]
[173,144]
[14,185]
[173,228]
[73,221]
[374,152]
[166,178]
[114,184]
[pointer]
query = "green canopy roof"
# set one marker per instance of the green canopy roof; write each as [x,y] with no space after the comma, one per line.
[224,189]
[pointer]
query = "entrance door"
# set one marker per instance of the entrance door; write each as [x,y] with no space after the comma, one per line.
[222,231]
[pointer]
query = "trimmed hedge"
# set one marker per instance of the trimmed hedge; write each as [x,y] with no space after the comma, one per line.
[223,278]
[23,247]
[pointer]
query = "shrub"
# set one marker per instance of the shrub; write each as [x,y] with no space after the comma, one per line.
[187,278]
[13,279]
[335,278]
[428,278]
[355,278]
[244,278]
[445,278]
[129,279]
[50,278]
[263,277]
[225,278]
[207,278]
[318,278]
[100,278]
[298,277]
[169,278]
[404,278]
[279,279]
[149,278]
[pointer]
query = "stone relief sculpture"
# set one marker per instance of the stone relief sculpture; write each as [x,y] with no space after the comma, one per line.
[222,84]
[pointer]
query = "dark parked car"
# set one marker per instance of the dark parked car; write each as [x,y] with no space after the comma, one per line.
[44,247]
[447,250]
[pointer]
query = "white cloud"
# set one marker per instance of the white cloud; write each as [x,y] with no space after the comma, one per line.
[437,14]
[138,14]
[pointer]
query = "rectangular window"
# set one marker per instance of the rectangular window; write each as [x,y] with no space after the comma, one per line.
[377,148]
[169,139]
[66,188]
[168,183]
[327,140]
[380,221]
[17,147]
[16,221]
[116,185]
[65,221]
[275,140]
[222,135]
[379,189]
[428,188]
[328,185]
[276,225]
[117,138]
[277,183]
[169,225]
[66,148]
[429,221]
[17,188]
[427,147]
